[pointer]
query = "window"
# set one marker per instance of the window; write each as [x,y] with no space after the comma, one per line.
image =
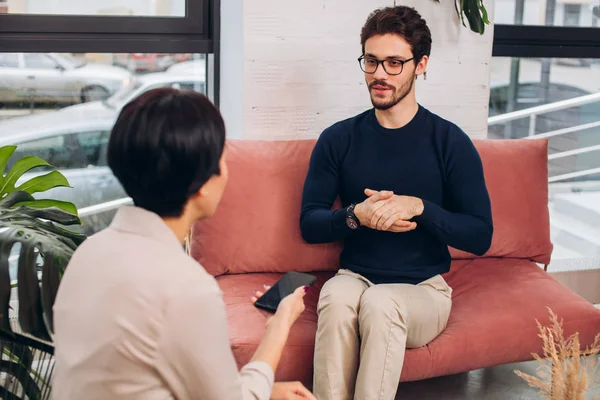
[45,149]
[59,96]
[189,19]
[66,117]
[146,8]
[40,61]
[8,60]
[572,14]
[581,13]
[114,79]
[545,83]
[572,129]
[67,151]
[93,147]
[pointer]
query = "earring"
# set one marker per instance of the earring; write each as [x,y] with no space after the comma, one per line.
[425,75]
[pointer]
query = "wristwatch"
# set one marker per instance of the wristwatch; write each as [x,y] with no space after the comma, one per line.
[351,219]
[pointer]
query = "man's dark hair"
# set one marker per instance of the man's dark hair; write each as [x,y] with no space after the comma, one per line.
[403,21]
[164,146]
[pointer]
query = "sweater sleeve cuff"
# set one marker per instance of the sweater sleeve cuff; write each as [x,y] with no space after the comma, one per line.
[431,213]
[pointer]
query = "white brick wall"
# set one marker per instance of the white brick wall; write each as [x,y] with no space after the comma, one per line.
[299,72]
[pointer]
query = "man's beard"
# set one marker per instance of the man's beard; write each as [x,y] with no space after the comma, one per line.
[397,95]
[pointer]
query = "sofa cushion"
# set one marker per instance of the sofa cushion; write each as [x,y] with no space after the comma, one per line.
[493,319]
[516,174]
[257,225]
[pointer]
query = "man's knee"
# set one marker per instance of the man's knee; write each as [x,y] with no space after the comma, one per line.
[378,304]
[340,297]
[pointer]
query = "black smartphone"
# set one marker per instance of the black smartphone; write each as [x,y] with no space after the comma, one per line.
[284,286]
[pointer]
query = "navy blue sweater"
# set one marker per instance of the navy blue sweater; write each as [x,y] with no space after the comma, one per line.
[429,158]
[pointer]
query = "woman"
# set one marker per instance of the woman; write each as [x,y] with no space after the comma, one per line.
[135,317]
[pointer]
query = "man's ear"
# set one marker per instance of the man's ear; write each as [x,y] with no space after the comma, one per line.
[422,67]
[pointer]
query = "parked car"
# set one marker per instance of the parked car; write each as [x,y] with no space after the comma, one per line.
[191,67]
[56,78]
[74,140]
[148,62]
[143,83]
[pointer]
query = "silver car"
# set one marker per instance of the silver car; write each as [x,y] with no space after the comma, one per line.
[75,141]
[56,78]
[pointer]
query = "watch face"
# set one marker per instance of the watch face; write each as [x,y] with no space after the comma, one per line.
[351,223]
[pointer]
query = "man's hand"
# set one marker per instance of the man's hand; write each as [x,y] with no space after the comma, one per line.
[290,391]
[385,211]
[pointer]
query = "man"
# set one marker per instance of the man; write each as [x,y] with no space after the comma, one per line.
[411,184]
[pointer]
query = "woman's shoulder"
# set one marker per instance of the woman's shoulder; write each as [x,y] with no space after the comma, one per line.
[190,278]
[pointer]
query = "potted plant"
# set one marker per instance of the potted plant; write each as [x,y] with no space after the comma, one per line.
[565,371]
[39,228]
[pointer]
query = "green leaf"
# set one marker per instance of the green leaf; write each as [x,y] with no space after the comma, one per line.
[5,287]
[462,11]
[22,166]
[65,206]
[484,12]
[56,246]
[53,214]
[31,316]
[54,268]
[5,153]
[45,182]
[23,375]
[473,15]
[29,218]
[14,198]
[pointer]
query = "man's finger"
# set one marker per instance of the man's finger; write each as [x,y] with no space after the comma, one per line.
[387,217]
[391,220]
[382,195]
[370,192]
[402,223]
[378,211]
[400,229]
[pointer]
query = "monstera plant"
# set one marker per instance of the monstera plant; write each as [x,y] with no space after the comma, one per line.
[39,226]
[475,13]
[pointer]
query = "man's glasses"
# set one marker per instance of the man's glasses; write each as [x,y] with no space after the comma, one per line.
[391,67]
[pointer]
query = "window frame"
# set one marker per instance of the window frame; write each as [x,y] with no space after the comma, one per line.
[194,22]
[529,41]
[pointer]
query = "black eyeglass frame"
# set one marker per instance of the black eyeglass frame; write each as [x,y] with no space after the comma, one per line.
[402,62]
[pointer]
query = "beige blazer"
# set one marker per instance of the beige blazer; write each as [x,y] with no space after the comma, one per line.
[136,318]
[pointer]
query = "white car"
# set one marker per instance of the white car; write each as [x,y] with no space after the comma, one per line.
[56,78]
[191,67]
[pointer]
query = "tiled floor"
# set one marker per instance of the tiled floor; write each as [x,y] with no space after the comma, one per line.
[498,383]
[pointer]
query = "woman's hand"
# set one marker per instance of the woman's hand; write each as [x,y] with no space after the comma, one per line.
[290,307]
[290,391]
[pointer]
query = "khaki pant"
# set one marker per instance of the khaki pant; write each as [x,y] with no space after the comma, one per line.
[373,323]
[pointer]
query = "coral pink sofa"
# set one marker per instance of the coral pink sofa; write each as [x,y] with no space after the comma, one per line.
[255,236]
